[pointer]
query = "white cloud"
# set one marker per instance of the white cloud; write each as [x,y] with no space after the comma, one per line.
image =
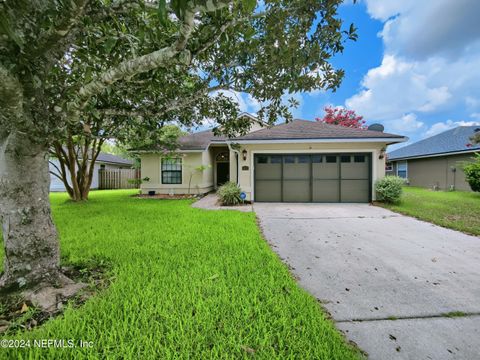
[383,10]
[426,28]
[447,125]
[245,102]
[472,102]
[408,123]
[317,92]
[430,65]
[318,73]
[395,88]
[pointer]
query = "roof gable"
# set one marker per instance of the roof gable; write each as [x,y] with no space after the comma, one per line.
[453,140]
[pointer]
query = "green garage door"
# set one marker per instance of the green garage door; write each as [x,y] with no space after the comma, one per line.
[313,177]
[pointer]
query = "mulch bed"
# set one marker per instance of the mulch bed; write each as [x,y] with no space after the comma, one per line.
[166,196]
[17,314]
[245,203]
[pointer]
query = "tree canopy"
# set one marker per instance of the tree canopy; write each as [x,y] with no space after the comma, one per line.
[90,70]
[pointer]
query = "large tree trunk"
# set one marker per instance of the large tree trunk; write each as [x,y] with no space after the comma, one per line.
[32,254]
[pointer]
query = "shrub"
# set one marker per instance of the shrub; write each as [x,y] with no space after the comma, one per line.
[472,173]
[389,189]
[229,194]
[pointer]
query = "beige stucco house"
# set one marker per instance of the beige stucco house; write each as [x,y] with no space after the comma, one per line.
[299,161]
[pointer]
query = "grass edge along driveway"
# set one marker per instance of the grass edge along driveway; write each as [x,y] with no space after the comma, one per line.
[457,210]
[189,283]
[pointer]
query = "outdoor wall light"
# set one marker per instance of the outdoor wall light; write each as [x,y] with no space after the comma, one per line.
[244,155]
[382,153]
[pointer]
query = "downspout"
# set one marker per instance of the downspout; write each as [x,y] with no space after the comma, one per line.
[237,154]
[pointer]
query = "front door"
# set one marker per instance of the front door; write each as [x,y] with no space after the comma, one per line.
[223,173]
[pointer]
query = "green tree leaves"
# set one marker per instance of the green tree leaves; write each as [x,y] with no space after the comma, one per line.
[162,12]
[249,5]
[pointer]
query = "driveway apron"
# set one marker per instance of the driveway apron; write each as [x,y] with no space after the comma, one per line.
[398,287]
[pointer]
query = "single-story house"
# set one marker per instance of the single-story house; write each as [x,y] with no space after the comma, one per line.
[436,162]
[299,161]
[104,162]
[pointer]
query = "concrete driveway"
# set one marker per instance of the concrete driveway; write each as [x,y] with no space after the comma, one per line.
[392,283]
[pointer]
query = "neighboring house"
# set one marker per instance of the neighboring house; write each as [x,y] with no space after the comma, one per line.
[300,161]
[104,161]
[436,162]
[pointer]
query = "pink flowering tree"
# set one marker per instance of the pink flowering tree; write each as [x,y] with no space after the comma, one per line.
[342,117]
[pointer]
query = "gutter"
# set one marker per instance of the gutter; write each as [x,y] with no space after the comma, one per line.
[305,141]
[114,163]
[436,155]
[161,151]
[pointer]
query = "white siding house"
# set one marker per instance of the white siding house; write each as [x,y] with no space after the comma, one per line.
[104,161]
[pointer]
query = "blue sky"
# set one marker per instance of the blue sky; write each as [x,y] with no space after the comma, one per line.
[415,67]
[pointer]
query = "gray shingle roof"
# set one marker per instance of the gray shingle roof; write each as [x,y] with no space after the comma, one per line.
[113,159]
[304,129]
[454,140]
[296,129]
[199,140]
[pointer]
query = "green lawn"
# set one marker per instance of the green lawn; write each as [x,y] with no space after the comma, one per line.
[459,210]
[189,284]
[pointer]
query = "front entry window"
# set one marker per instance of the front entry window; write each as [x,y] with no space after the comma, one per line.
[223,157]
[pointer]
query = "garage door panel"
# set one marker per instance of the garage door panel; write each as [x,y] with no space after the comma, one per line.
[325,191]
[354,190]
[325,167]
[355,171]
[296,190]
[296,171]
[268,171]
[268,190]
[356,168]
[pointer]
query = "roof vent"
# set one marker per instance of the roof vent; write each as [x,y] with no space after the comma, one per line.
[376,127]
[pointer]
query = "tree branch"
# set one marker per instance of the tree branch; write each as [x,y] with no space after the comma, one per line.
[56,175]
[177,104]
[148,62]
[141,64]
[55,166]
[49,39]
[128,113]
[173,105]
[224,28]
